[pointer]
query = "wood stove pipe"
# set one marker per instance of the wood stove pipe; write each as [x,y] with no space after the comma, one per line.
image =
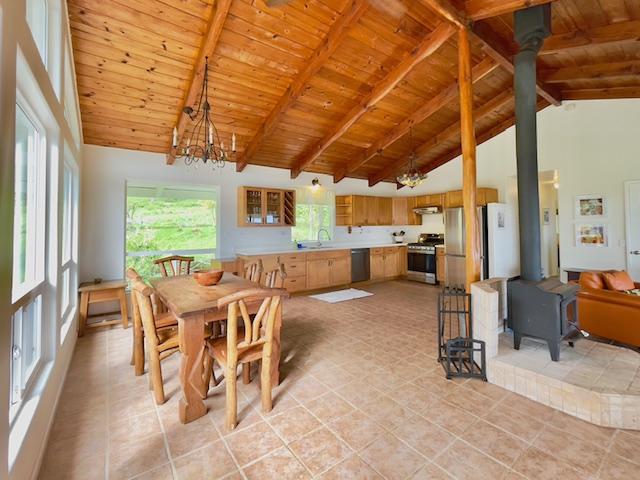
[532,26]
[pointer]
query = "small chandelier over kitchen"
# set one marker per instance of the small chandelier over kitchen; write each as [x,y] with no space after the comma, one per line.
[203,144]
[412,177]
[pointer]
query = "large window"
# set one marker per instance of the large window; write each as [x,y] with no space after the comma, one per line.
[315,211]
[70,98]
[37,18]
[167,220]
[28,249]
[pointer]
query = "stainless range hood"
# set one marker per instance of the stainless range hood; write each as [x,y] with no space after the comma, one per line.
[427,210]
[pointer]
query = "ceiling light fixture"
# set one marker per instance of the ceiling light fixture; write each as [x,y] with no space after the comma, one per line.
[412,177]
[203,144]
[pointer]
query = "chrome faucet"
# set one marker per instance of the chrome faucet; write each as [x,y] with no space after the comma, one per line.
[325,231]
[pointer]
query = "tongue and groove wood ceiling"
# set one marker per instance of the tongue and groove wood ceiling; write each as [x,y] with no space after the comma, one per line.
[333,86]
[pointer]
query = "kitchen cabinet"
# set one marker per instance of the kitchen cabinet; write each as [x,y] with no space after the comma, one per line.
[399,211]
[484,195]
[327,269]
[266,207]
[433,200]
[386,262]
[360,211]
[344,210]
[441,271]
[384,211]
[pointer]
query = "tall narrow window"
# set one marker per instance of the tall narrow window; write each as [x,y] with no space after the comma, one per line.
[69,269]
[70,101]
[37,18]
[29,215]
[169,220]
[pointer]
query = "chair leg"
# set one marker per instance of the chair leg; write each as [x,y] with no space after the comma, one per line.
[156,377]
[232,405]
[246,373]
[207,372]
[265,383]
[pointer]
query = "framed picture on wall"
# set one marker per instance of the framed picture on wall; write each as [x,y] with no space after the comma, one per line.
[546,216]
[500,219]
[591,235]
[590,206]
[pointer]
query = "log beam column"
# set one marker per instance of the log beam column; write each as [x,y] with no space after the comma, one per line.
[469,184]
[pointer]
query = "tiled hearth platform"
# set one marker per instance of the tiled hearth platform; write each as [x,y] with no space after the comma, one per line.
[593,381]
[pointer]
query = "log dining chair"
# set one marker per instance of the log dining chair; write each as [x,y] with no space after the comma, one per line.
[249,341]
[178,265]
[253,271]
[163,321]
[161,340]
[273,279]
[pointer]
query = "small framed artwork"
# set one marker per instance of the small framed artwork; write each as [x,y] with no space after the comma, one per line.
[500,219]
[589,206]
[591,235]
[546,216]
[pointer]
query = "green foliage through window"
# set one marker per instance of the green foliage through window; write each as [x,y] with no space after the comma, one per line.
[157,227]
[309,220]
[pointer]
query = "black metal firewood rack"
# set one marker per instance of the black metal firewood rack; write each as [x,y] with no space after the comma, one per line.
[458,351]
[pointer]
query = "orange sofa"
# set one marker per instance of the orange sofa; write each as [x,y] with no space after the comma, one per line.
[608,313]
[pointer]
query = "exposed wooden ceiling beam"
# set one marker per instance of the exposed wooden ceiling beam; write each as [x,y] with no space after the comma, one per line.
[479,9]
[613,33]
[496,49]
[602,93]
[206,49]
[449,12]
[591,72]
[444,97]
[427,47]
[331,41]
[444,136]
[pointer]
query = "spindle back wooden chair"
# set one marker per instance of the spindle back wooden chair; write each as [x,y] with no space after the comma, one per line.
[162,320]
[174,265]
[253,271]
[275,278]
[248,340]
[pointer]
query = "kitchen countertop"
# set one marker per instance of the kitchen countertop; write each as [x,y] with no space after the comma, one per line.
[328,247]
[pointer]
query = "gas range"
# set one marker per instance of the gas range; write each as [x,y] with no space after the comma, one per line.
[422,257]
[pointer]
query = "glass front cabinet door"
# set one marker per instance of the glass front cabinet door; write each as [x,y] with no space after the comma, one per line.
[273,208]
[253,201]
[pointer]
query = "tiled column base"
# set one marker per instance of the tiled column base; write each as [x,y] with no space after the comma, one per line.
[488,299]
[601,408]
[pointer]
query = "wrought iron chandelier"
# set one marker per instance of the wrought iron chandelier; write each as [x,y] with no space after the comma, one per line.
[203,144]
[412,177]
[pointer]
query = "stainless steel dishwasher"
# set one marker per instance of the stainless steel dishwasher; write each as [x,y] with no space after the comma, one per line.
[359,265]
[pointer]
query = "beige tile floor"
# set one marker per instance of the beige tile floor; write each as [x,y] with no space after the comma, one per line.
[362,397]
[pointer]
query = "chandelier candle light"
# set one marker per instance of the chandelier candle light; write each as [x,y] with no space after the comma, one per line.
[412,177]
[203,144]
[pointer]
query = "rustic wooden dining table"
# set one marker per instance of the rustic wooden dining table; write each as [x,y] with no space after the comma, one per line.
[194,306]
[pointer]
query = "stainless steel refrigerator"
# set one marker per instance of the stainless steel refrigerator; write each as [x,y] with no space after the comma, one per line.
[454,240]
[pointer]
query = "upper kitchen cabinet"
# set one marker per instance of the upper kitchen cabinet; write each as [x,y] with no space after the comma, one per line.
[433,200]
[484,196]
[360,210]
[266,207]
[402,211]
[384,211]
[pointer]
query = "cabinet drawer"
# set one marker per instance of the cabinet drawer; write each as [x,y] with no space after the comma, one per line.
[376,251]
[292,257]
[295,269]
[295,284]
[328,254]
[390,250]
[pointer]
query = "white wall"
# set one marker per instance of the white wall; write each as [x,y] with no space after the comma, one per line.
[594,147]
[106,171]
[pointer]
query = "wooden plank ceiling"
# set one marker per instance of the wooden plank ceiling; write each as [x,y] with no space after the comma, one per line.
[333,86]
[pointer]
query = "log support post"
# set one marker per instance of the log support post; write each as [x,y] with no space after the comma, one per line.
[469,184]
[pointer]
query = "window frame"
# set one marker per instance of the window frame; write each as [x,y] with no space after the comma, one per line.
[181,187]
[68,277]
[46,48]
[40,213]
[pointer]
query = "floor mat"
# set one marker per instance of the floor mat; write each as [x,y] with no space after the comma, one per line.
[341,295]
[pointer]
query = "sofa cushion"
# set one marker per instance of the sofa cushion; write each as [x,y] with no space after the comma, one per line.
[591,280]
[619,281]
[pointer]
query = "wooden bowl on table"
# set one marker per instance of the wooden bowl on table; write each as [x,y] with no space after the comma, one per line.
[207,278]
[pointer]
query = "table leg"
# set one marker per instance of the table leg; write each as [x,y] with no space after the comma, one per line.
[84,311]
[191,332]
[122,296]
[275,352]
